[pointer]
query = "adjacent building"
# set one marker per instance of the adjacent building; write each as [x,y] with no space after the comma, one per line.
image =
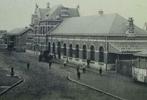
[17,38]
[3,44]
[46,19]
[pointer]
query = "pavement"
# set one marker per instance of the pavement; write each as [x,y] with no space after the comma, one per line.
[111,82]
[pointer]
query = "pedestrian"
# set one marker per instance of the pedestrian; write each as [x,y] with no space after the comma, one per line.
[84,68]
[12,71]
[78,68]
[78,74]
[88,62]
[28,65]
[100,71]
[65,62]
[50,64]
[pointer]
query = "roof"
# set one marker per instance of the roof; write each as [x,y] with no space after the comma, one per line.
[43,12]
[106,24]
[18,31]
[129,47]
[141,54]
[52,13]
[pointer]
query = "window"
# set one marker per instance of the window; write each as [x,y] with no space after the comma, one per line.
[59,50]
[64,49]
[92,53]
[101,54]
[53,49]
[70,50]
[49,46]
[77,51]
[84,52]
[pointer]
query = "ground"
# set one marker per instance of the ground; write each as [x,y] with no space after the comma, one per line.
[42,83]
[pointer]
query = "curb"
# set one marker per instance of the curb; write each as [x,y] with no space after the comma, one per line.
[11,87]
[93,88]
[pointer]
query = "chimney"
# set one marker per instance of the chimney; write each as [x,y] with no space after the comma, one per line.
[101,12]
[131,25]
[48,5]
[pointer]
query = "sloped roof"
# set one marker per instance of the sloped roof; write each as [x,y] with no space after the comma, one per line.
[107,24]
[18,31]
[141,54]
[56,11]
[43,12]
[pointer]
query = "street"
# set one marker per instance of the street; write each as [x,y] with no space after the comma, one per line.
[40,83]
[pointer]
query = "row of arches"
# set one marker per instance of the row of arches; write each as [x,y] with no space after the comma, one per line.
[76,52]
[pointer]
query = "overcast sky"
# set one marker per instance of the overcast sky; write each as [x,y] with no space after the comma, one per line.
[17,13]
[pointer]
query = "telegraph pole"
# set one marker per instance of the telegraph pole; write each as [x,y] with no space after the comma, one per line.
[107,49]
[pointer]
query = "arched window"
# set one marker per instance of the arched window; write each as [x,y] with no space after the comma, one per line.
[101,54]
[59,50]
[84,52]
[70,50]
[64,49]
[77,51]
[49,46]
[92,53]
[53,50]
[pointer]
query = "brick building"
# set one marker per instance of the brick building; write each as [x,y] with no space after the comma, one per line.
[46,19]
[103,39]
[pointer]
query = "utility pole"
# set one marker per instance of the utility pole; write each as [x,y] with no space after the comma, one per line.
[107,50]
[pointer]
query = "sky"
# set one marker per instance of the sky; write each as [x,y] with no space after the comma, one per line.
[17,13]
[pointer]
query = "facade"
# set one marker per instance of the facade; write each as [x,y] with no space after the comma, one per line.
[104,39]
[46,19]
[3,44]
[17,38]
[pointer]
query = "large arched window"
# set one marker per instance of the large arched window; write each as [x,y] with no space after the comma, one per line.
[101,54]
[59,50]
[70,51]
[84,52]
[92,53]
[49,46]
[77,51]
[64,49]
[53,50]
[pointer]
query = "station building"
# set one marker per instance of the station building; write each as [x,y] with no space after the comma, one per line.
[105,39]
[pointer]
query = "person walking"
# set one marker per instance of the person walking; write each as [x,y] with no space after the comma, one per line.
[84,68]
[78,72]
[88,62]
[65,63]
[12,71]
[100,71]
[28,65]
[78,68]
[50,64]
[79,75]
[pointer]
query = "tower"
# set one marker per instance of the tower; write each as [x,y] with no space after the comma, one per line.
[36,8]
